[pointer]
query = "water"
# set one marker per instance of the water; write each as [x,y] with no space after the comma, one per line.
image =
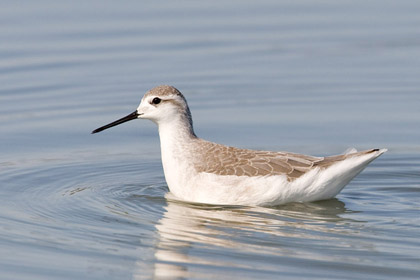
[309,77]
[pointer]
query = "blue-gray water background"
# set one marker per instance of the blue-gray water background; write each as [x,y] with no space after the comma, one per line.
[313,77]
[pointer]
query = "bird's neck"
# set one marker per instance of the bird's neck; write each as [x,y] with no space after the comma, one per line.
[177,140]
[179,128]
[176,135]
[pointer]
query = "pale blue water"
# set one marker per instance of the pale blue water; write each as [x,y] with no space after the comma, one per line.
[310,77]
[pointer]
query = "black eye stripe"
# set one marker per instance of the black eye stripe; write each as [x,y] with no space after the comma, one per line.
[156,100]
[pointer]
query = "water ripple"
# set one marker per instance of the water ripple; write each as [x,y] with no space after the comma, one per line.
[112,209]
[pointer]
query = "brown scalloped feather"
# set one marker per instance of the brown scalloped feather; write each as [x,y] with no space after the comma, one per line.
[223,160]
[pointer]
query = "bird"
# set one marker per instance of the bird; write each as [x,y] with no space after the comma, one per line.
[200,171]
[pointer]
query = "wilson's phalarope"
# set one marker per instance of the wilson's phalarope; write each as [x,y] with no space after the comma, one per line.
[197,170]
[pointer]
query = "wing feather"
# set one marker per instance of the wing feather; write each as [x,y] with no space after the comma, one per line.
[223,160]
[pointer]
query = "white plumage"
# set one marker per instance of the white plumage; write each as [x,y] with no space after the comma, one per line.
[200,171]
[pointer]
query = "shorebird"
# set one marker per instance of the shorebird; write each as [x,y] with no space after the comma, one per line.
[200,171]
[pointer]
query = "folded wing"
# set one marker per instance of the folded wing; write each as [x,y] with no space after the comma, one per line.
[223,160]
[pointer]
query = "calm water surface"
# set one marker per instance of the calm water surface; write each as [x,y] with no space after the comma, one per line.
[310,77]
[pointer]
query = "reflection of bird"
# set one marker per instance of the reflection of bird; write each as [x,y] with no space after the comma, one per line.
[200,171]
[190,235]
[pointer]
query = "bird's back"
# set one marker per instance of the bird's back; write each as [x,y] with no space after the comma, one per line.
[224,160]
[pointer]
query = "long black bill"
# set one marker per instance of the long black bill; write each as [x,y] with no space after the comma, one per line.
[127,118]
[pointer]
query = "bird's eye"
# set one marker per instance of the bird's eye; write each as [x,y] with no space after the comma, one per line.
[156,100]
